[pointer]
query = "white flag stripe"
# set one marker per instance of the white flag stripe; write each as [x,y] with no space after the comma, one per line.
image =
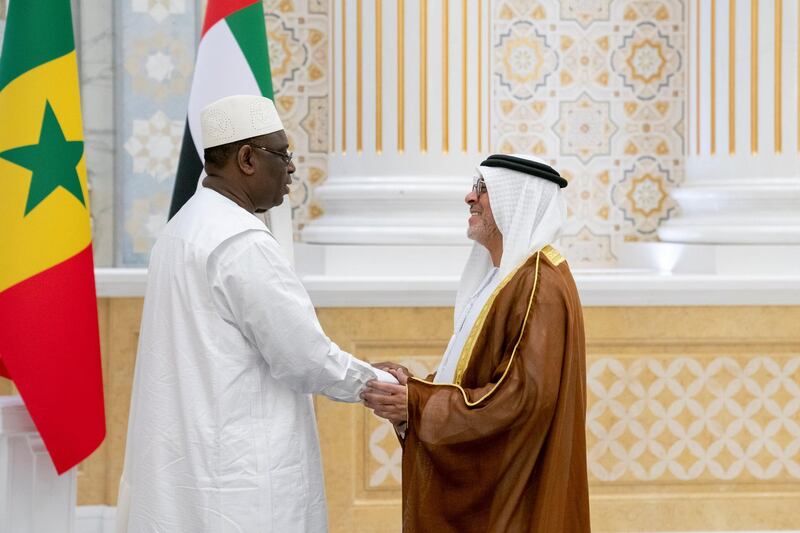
[221,70]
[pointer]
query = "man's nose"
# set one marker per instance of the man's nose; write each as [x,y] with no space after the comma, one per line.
[471,198]
[291,168]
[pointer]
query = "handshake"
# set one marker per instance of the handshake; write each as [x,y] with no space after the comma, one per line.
[388,400]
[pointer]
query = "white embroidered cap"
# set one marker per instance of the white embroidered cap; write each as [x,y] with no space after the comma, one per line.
[238,117]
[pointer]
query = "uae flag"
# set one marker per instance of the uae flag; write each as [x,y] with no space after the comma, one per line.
[232,58]
[49,343]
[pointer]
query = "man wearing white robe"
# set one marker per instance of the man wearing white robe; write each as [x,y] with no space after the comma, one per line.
[222,435]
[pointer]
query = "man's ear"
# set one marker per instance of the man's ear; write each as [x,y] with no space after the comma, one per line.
[244,158]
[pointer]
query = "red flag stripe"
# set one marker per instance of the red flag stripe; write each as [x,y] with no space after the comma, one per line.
[219,9]
[52,354]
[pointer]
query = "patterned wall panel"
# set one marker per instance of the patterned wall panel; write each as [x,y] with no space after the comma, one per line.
[596,88]
[383,465]
[155,47]
[298,50]
[699,417]
[693,420]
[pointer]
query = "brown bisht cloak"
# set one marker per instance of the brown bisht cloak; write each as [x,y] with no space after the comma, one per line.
[504,449]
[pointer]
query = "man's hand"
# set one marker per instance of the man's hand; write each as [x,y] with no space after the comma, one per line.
[387,400]
[394,369]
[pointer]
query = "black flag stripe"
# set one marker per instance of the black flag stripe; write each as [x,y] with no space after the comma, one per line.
[190,166]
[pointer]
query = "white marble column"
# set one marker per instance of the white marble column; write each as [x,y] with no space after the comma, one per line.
[95,45]
[410,121]
[2,19]
[743,155]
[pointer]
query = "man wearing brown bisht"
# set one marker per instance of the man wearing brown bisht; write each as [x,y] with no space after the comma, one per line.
[494,441]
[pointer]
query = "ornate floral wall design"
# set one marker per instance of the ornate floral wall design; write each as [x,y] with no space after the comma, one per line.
[695,417]
[605,107]
[298,50]
[155,145]
[159,9]
[155,44]
[594,87]
[160,66]
[525,59]
[706,417]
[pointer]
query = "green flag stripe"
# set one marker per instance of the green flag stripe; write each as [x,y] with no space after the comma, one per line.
[36,32]
[249,30]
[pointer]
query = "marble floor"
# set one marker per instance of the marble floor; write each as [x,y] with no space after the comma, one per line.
[100,519]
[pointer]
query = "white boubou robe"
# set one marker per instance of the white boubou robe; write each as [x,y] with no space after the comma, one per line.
[222,435]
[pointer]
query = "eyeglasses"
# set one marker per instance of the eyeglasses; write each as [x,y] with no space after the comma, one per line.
[479,187]
[286,157]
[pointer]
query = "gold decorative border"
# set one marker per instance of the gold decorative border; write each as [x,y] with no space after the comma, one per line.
[713,121]
[359,78]
[778,76]
[332,130]
[423,76]
[553,255]
[466,353]
[464,119]
[445,76]
[378,76]
[401,76]
[344,77]
[697,72]
[754,76]
[479,130]
[480,320]
[731,77]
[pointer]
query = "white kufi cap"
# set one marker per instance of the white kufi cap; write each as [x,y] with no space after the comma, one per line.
[238,117]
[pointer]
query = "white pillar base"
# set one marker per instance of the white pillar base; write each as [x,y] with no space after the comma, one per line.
[33,498]
[753,211]
[403,210]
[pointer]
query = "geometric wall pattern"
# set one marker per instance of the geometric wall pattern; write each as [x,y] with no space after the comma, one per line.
[156,42]
[694,418]
[665,419]
[298,50]
[384,463]
[155,47]
[597,89]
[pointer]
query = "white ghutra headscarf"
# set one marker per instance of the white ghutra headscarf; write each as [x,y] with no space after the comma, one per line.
[529,212]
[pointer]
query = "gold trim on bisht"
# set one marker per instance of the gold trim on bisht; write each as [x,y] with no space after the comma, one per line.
[556,259]
[466,354]
[553,255]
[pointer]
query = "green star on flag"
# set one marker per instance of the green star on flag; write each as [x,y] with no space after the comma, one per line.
[49,336]
[53,161]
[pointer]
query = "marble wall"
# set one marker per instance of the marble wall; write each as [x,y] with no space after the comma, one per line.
[596,87]
[692,419]
[94,43]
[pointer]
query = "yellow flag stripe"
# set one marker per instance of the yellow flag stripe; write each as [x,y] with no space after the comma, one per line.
[59,227]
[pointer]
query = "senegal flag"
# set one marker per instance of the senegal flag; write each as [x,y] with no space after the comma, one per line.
[232,58]
[49,343]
